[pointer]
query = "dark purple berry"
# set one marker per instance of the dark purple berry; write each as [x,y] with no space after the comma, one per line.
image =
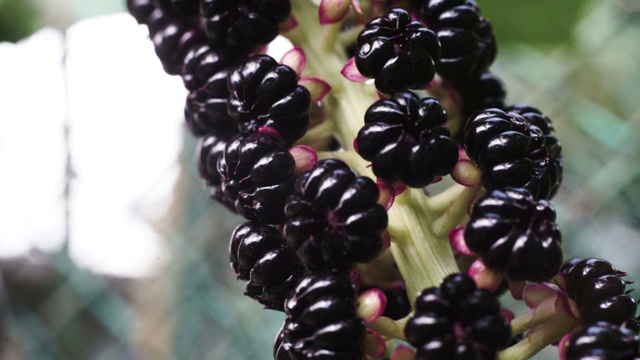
[552,177]
[206,107]
[512,151]
[397,52]
[321,319]
[172,39]
[405,139]
[281,346]
[602,341]
[478,93]
[265,93]
[515,234]
[202,62]
[140,9]
[600,292]
[457,321]
[243,26]
[468,46]
[180,7]
[333,218]
[259,255]
[210,150]
[257,175]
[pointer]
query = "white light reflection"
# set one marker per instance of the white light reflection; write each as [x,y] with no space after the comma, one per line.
[126,127]
[32,158]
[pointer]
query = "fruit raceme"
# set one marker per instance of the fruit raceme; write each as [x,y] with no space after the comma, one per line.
[312,224]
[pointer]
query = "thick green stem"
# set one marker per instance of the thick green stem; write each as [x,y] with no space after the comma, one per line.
[389,328]
[541,336]
[423,257]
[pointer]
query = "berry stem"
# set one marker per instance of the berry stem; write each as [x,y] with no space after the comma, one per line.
[347,101]
[540,337]
[389,328]
[423,258]
[536,316]
[455,211]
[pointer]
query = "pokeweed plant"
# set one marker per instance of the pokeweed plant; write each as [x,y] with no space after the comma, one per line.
[329,153]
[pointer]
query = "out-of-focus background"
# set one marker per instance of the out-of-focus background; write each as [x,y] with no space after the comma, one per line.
[109,246]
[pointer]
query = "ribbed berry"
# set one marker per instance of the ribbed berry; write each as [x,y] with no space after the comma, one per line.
[202,62]
[172,39]
[333,218]
[405,139]
[552,177]
[457,321]
[243,25]
[257,176]
[485,91]
[180,7]
[321,319]
[210,150]
[265,93]
[511,151]
[600,292]
[399,53]
[602,341]
[259,255]
[206,107]
[468,46]
[515,234]
[140,9]
[281,346]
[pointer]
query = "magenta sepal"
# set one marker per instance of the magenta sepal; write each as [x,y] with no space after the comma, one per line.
[456,239]
[332,11]
[350,71]
[295,59]
[305,158]
[316,86]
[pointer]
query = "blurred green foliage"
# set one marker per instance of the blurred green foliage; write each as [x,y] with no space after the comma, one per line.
[540,23]
[17,20]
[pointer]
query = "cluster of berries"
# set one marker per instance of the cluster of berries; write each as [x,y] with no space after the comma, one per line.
[312,224]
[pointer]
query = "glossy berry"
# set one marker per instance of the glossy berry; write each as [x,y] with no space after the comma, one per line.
[468,46]
[399,53]
[321,319]
[281,346]
[333,218]
[140,9]
[457,321]
[257,176]
[515,234]
[265,93]
[172,39]
[512,151]
[243,26]
[485,91]
[552,177]
[259,255]
[600,292]
[180,7]
[209,151]
[602,341]
[405,139]
[202,62]
[206,107]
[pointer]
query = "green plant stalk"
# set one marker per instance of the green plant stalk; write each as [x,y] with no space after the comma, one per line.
[423,258]
[551,331]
